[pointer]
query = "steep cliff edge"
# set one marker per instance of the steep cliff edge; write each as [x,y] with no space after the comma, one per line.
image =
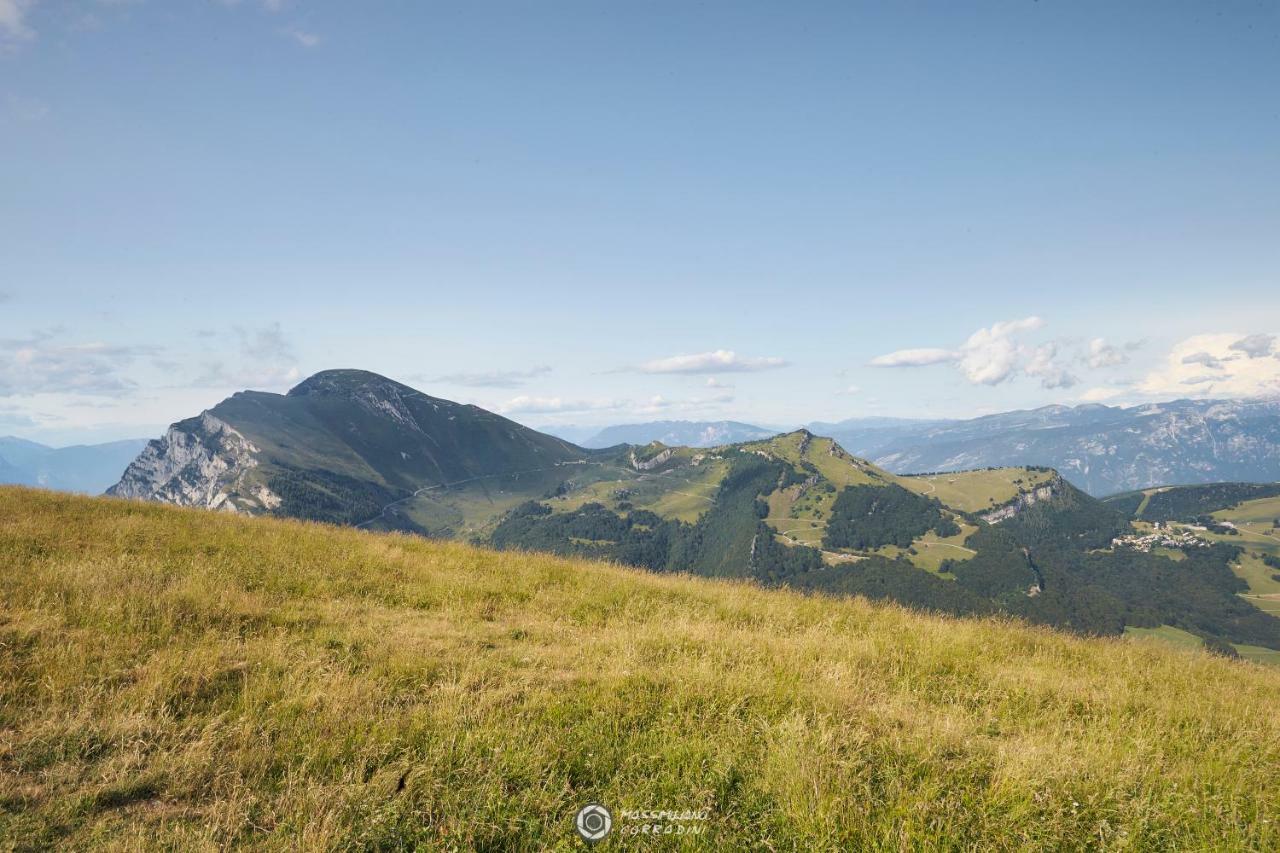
[1024,500]
[203,462]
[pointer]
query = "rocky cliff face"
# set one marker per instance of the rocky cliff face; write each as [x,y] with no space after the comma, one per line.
[1026,499]
[199,462]
[654,462]
[377,395]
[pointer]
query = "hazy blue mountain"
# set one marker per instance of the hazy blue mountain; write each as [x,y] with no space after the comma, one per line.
[1101,449]
[10,473]
[88,468]
[865,436]
[679,433]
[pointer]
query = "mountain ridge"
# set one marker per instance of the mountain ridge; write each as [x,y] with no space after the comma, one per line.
[1101,449]
[338,433]
[84,468]
[794,509]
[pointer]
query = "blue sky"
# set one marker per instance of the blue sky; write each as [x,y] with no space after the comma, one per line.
[603,212]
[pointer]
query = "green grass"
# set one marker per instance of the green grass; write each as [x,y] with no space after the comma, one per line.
[1259,576]
[1257,537]
[1166,634]
[932,549]
[692,495]
[831,461]
[1254,519]
[1258,654]
[804,531]
[1146,500]
[1178,638]
[184,680]
[974,491]
[683,491]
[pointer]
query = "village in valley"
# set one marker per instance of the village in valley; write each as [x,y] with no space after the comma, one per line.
[1165,535]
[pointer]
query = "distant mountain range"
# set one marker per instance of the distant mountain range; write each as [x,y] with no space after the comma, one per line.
[681,433]
[88,468]
[1101,449]
[796,509]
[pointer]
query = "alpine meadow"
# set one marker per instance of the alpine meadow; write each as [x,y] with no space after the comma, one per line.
[725,426]
[190,680]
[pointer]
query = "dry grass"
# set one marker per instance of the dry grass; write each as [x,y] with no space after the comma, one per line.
[182,680]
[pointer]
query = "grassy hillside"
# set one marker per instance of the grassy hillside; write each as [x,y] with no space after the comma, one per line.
[181,679]
[975,491]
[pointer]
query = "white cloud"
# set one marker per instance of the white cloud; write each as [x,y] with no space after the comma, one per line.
[1255,346]
[990,356]
[264,377]
[922,357]
[13,21]
[1044,366]
[658,403]
[534,405]
[490,378]
[40,364]
[718,361]
[997,354]
[1204,359]
[12,417]
[1099,394]
[265,344]
[1102,354]
[1234,376]
[528,405]
[266,361]
[303,37]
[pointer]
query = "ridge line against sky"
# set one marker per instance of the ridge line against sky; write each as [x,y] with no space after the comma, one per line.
[591,214]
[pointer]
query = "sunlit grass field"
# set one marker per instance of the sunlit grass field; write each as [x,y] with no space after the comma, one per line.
[975,491]
[182,680]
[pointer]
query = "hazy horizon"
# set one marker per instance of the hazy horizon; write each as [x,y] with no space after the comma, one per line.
[579,431]
[583,214]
